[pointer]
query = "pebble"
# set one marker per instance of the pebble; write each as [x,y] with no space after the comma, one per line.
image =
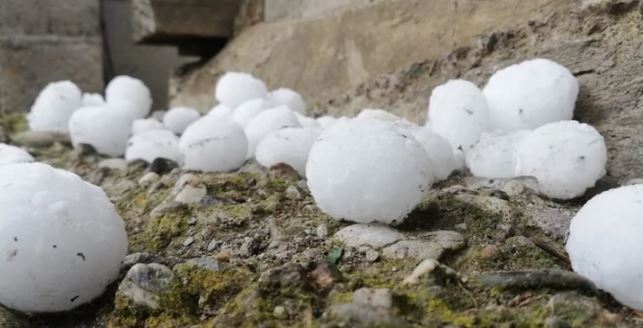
[189,241]
[144,283]
[148,179]
[377,297]
[191,195]
[438,242]
[322,231]
[373,235]
[113,164]
[372,255]
[425,267]
[39,139]
[280,312]
[212,245]
[205,263]
[293,193]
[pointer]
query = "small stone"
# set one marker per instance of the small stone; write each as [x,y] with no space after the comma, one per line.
[162,165]
[372,255]
[205,263]
[293,193]
[191,195]
[438,242]
[192,221]
[189,241]
[280,312]
[377,297]
[489,251]
[212,245]
[118,164]
[144,283]
[148,179]
[373,235]
[322,231]
[38,139]
[425,267]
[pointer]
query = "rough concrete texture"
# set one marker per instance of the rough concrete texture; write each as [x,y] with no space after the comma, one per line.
[63,17]
[289,9]
[391,54]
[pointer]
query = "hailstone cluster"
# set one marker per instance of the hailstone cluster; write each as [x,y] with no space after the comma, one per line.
[153,144]
[61,239]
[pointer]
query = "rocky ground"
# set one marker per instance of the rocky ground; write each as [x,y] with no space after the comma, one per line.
[250,249]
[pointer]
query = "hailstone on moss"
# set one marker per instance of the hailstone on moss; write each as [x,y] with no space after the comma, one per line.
[493,155]
[605,241]
[565,157]
[288,146]
[248,110]
[214,143]
[11,154]
[105,128]
[179,118]
[54,106]
[233,89]
[530,94]
[153,144]
[367,170]
[146,124]
[269,120]
[128,89]
[459,113]
[61,238]
[287,97]
[93,99]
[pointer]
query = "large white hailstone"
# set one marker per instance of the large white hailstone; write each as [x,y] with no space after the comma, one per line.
[54,106]
[288,146]
[439,151]
[233,89]
[248,110]
[367,170]
[530,94]
[493,155]
[605,241]
[307,122]
[379,114]
[459,113]
[61,239]
[220,110]
[146,124]
[565,157]
[179,118]
[270,120]
[287,97]
[326,121]
[153,144]
[105,128]
[132,90]
[214,143]
[93,99]
[11,154]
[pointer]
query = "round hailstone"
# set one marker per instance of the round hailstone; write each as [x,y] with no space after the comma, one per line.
[150,145]
[288,146]
[248,110]
[367,170]
[287,97]
[233,89]
[604,239]
[493,155]
[146,124]
[379,114]
[179,118]
[565,157]
[11,155]
[93,99]
[132,90]
[105,128]
[307,122]
[220,110]
[61,239]
[54,106]
[439,151]
[270,120]
[459,113]
[214,143]
[530,94]
[326,121]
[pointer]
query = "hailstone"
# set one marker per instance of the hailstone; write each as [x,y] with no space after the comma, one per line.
[379,114]
[288,146]
[307,122]
[128,89]
[106,128]
[11,155]
[565,157]
[287,97]
[233,89]
[179,118]
[220,110]
[459,113]
[61,238]
[92,99]
[367,170]
[605,241]
[153,144]
[493,155]
[54,106]
[326,121]
[269,120]
[248,110]
[214,143]
[530,94]
[438,150]
[146,124]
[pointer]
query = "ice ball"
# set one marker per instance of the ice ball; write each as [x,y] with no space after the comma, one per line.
[153,144]
[235,88]
[128,89]
[379,114]
[106,128]
[287,97]
[93,99]
[146,124]
[248,110]
[54,106]
[11,154]
[288,146]
[493,155]
[438,150]
[178,119]
[269,120]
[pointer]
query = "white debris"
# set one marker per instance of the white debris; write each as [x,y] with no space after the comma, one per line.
[459,113]
[146,124]
[106,128]
[438,150]
[493,155]
[93,99]
[233,89]
[62,240]
[11,155]
[54,106]
[248,110]
[367,170]
[565,157]
[605,241]
[128,89]
[289,146]
[214,143]
[379,114]
[287,97]
[326,121]
[307,122]
[153,144]
[179,118]
[269,120]
[530,94]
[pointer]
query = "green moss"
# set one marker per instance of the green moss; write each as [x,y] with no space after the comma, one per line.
[159,232]
[13,121]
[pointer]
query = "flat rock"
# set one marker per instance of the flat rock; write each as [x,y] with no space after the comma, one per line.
[373,235]
[38,139]
[144,282]
[438,243]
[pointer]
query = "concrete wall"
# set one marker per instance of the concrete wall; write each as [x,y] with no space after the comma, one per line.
[293,9]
